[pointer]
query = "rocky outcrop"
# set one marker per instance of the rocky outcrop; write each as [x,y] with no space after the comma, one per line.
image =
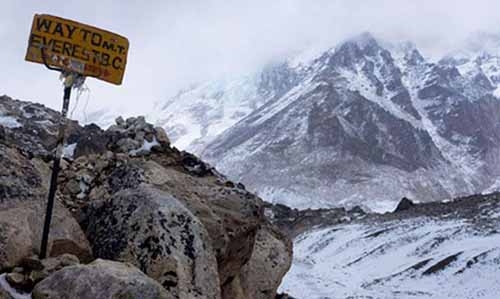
[138,201]
[99,280]
[31,270]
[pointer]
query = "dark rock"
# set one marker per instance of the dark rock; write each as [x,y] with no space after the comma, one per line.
[404,204]
[92,140]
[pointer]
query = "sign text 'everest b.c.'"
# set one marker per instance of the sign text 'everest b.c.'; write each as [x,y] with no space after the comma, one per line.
[77,47]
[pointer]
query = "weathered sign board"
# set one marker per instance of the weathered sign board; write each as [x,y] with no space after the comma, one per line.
[77,47]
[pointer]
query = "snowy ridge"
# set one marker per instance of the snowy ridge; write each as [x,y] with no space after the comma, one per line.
[198,115]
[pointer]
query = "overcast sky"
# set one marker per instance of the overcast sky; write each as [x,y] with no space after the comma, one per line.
[173,43]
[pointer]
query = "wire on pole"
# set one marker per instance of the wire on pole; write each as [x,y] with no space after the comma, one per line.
[71,80]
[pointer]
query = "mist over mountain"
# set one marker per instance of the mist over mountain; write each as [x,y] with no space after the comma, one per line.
[363,123]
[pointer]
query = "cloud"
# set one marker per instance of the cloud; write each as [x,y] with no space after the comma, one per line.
[174,43]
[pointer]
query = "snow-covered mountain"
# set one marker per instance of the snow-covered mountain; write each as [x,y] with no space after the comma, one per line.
[364,123]
[433,250]
[195,116]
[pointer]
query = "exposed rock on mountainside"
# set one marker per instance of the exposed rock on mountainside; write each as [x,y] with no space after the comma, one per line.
[404,204]
[433,250]
[365,123]
[133,198]
[293,222]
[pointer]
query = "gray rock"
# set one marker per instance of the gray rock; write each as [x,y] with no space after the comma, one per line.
[73,186]
[161,136]
[120,121]
[139,136]
[129,122]
[92,140]
[140,123]
[155,232]
[127,144]
[99,280]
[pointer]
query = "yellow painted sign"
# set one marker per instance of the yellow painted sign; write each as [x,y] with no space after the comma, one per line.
[78,47]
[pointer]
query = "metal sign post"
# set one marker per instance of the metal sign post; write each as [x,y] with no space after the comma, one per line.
[77,51]
[68,84]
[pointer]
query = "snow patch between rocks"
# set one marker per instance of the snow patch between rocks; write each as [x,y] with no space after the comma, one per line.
[146,147]
[9,122]
[69,150]
[13,292]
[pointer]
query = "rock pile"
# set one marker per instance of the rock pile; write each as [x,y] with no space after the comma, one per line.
[31,270]
[155,221]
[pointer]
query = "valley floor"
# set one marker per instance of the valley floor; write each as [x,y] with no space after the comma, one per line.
[434,251]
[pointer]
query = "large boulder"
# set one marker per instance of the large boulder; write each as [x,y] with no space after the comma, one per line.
[21,231]
[155,232]
[231,214]
[22,211]
[99,280]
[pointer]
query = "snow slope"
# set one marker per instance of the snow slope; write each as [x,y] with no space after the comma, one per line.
[453,252]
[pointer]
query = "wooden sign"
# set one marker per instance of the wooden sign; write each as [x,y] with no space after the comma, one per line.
[77,47]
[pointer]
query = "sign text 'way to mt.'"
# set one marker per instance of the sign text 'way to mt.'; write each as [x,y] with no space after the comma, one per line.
[79,48]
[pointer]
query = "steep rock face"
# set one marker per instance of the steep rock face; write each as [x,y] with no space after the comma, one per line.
[100,280]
